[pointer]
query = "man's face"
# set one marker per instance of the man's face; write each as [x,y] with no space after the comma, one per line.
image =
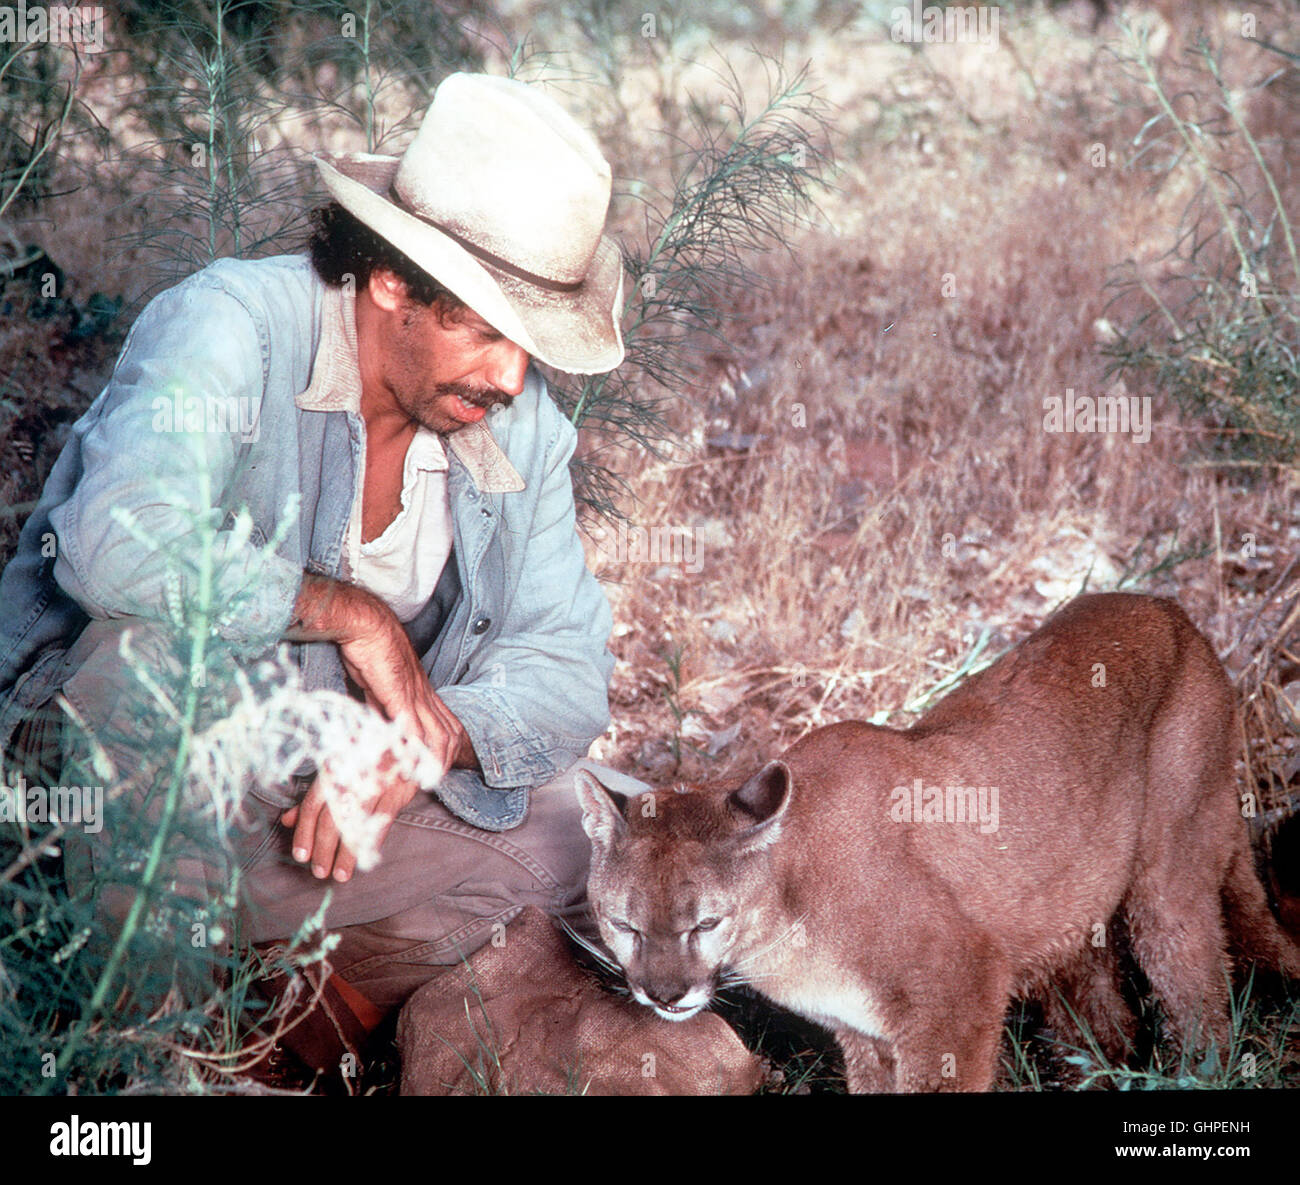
[445,376]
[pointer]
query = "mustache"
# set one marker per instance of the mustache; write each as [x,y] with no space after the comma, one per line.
[486,398]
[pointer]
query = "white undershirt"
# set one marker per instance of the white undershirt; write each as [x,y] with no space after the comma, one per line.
[402,566]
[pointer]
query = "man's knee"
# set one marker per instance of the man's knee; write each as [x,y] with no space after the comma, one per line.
[555,818]
[112,663]
[122,668]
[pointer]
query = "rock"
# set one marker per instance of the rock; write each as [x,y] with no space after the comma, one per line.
[723,631]
[720,740]
[521,1017]
[851,625]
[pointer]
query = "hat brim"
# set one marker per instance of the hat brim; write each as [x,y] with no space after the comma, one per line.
[576,332]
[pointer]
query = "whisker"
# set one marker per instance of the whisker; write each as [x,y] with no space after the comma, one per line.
[746,980]
[791,929]
[596,952]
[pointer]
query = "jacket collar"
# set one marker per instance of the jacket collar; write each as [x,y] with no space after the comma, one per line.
[336,386]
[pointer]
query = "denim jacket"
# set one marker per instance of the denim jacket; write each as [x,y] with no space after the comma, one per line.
[514,635]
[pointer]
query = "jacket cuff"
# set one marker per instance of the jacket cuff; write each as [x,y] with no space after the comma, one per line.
[510,753]
[261,594]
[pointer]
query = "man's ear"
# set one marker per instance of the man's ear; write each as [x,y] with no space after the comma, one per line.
[387,289]
[758,807]
[603,810]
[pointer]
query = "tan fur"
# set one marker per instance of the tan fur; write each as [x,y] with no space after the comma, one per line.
[1109,735]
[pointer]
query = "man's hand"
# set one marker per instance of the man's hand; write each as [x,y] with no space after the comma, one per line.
[316,835]
[380,660]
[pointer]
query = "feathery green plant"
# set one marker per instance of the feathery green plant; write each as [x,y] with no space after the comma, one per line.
[381,55]
[234,186]
[225,82]
[157,999]
[100,1014]
[1220,329]
[741,182]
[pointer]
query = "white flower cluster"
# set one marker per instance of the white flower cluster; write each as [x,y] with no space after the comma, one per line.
[276,727]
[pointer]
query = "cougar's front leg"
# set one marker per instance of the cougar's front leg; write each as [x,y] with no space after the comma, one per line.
[950,1055]
[869,1066]
[950,1041]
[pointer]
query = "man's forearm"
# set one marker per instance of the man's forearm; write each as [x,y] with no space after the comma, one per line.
[375,647]
[331,611]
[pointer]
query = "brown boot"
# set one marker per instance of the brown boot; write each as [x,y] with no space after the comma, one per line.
[523,1018]
[325,1025]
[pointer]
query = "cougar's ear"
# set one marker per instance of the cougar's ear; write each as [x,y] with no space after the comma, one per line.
[760,804]
[603,809]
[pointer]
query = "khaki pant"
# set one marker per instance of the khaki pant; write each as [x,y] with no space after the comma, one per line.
[442,889]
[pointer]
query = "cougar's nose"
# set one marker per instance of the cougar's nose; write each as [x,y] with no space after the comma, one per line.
[669,1001]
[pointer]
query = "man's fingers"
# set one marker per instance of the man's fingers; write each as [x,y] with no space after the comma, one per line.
[438,727]
[304,822]
[315,837]
[325,846]
[345,863]
[394,801]
[437,734]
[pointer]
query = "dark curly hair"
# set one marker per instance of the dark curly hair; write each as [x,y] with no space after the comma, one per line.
[341,245]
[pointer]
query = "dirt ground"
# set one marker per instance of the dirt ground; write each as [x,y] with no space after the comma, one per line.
[861,498]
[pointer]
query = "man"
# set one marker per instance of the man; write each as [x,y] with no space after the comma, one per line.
[433,566]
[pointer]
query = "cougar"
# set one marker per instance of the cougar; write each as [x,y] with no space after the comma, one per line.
[901,887]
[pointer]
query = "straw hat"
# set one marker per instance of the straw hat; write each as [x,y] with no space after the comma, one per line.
[502,197]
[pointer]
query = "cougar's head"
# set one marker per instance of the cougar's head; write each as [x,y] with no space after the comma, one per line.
[674,878]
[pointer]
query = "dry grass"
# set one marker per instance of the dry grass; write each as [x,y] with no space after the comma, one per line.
[891,491]
[864,477]
[880,490]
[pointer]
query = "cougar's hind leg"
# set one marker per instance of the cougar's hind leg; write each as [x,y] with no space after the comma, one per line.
[1085,1006]
[1176,923]
[1253,932]
[1174,904]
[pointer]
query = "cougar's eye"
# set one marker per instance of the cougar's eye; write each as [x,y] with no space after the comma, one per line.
[622,927]
[709,924]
